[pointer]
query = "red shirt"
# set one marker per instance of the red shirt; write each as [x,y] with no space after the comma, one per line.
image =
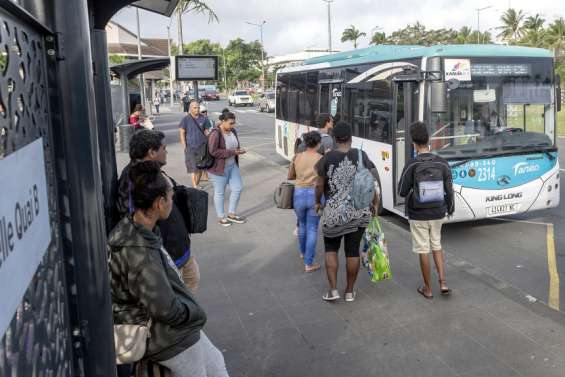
[134,119]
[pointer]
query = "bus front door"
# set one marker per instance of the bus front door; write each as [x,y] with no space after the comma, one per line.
[405,113]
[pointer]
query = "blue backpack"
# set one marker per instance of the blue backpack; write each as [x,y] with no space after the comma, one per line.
[363,190]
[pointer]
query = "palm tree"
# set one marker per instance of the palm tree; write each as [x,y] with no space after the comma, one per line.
[464,35]
[352,34]
[512,25]
[379,38]
[556,37]
[192,6]
[534,23]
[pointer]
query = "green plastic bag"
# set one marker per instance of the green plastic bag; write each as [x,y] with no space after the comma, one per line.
[375,255]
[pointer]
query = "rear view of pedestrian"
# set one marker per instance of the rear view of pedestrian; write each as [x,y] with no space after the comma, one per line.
[427,184]
[341,219]
[302,169]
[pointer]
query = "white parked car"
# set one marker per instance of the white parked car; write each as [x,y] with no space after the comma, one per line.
[240,98]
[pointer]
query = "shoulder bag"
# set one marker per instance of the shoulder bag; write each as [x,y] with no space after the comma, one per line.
[204,160]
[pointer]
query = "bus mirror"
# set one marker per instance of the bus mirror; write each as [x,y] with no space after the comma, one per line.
[558,92]
[438,97]
[453,84]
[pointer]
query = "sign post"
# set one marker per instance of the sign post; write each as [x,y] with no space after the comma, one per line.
[195,68]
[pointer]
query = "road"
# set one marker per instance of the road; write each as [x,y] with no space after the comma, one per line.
[267,317]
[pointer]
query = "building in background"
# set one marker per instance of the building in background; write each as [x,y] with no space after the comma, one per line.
[122,45]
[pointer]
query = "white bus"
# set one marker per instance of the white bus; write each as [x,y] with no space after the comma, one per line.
[490,111]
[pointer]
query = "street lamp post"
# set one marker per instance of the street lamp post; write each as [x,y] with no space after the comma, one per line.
[141,79]
[260,26]
[172,98]
[479,10]
[329,2]
[225,70]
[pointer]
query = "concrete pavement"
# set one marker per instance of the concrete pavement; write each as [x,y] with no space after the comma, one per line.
[268,318]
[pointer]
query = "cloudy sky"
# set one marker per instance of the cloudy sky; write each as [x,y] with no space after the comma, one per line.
[294,25]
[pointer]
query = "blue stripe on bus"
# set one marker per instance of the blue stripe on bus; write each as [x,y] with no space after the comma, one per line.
[500,173]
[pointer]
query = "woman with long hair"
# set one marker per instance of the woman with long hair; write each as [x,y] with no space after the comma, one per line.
[147,288]
[224,145]
[302,169]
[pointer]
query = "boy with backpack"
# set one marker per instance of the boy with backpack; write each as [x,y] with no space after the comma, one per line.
[427,185]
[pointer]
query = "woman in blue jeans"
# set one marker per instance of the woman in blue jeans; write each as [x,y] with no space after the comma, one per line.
[302,169]
[223,145]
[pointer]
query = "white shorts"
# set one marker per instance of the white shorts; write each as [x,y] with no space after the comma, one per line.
[426,235]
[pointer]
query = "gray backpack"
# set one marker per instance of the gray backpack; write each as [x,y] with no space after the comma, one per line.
[363,190]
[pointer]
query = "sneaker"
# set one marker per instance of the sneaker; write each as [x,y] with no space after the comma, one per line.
[236,219]
[224,222]
[350,296]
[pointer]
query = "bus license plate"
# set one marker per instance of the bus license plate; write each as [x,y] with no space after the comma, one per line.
[502,209]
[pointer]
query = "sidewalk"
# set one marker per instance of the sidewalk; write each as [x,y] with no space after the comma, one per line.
[268,318]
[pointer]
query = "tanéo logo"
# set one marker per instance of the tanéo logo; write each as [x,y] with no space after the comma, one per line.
[525,167]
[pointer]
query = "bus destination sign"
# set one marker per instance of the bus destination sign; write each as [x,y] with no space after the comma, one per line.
[501,70]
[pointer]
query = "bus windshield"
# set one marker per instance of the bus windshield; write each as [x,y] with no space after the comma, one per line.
[505,107]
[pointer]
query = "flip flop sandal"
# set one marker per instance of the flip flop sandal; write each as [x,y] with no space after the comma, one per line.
[331,295]
[313,267]
[421,291]
[444,292]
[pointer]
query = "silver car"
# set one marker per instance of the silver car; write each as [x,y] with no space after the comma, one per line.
[267,102]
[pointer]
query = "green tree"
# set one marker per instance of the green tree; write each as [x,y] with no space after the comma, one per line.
[352,34]
[116,59]
[464,36]
[556,37]
[202,47]
[378,38]
[411,35]
[243,62]
[534,23]
[512,27]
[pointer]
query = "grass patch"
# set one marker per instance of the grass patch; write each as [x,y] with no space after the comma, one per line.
[561,123]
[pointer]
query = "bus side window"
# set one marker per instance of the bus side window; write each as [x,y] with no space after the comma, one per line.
[311,105]
[282,97]
[380,112]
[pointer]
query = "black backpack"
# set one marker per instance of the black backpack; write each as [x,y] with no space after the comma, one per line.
[429,190]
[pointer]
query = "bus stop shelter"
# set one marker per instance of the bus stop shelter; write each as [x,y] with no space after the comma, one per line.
[128,71]
[57,139]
